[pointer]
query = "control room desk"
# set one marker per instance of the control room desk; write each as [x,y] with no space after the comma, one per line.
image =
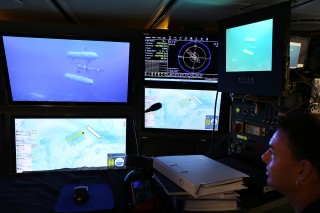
[38,192]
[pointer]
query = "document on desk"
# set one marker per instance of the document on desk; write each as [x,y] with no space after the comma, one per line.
[199,175]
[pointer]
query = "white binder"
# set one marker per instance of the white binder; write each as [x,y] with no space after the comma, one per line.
[199,175]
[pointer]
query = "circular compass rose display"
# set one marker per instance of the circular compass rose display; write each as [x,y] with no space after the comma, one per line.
[194,57]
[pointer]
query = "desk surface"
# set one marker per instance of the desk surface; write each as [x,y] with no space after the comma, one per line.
[38,192]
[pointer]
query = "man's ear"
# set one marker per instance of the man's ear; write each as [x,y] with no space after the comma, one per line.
[305,170]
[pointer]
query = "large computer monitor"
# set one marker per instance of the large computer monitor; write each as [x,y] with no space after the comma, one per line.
[254,51]
[81,67]
[45,143]
[180,56]
[183,109]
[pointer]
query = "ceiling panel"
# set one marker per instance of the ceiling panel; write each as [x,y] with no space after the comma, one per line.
[306,16]
[30,10]
[186,14]
[123,13]
[199,16]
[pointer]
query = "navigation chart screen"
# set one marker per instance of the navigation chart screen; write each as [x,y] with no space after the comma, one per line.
[180,58]
[58,143]
[183,109]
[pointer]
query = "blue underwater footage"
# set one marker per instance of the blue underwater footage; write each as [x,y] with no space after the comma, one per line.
[249,47]
[65,70]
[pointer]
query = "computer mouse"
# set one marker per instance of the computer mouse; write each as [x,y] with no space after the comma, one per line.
[81,194]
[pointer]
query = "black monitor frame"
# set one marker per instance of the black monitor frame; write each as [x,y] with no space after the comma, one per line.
[268,83]
[76,33]
[304,42]
[200,134]
[12,138]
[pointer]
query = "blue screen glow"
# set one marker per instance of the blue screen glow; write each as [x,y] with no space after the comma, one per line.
[249,47]
[65,70]
[183,109]
[59,143]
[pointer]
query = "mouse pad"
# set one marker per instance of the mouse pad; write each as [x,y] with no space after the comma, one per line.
[101,197]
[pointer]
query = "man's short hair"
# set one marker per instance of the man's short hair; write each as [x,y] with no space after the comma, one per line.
[303,132]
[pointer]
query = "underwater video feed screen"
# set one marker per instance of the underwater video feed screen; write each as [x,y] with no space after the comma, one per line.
[69,143]
[66,70]
[183,109]
[249,47]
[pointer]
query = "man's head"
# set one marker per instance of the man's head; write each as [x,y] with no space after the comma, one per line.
[294,151]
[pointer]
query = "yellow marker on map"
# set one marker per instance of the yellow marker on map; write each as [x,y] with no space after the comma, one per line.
[187,100]
[74,136]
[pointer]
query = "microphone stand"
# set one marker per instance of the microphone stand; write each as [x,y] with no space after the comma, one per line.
[141,163]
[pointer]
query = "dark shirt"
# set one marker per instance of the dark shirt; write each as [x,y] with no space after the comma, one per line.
[312,208]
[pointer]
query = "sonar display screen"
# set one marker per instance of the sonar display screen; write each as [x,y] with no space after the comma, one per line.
[180,58]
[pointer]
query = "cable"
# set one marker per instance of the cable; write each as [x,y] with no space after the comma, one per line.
[214,122]
[135,136]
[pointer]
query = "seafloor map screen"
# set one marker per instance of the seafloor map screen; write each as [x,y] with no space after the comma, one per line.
[183,109]
[58,143]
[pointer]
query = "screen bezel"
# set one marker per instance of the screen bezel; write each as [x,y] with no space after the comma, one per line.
[303,54]
[76,33]
[159,141]
[258,82]
[12,118]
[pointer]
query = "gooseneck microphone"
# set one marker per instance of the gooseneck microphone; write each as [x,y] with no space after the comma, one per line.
[139,162]
[153,107]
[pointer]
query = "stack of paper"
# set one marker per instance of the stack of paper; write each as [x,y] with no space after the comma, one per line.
[226,201]
[199,183]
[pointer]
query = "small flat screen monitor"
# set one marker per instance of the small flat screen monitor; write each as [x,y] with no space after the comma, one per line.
[295,48]
[66,69]
[254,51]
[52,143]
[249,47]
[183,109]
[177,57]
[298,51]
